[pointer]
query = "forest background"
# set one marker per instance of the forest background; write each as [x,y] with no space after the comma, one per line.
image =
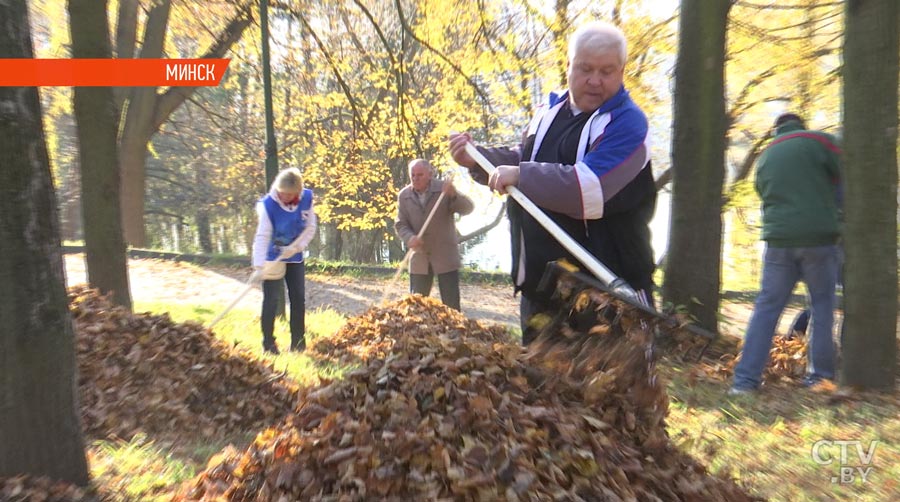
[360,88]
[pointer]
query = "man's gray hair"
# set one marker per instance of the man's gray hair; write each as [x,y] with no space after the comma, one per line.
[598,36]
[413,162]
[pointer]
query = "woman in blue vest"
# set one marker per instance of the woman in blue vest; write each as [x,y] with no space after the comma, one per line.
[286,225]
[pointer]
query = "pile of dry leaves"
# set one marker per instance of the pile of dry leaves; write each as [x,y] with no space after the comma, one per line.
[452,413]
[142,372]
[371,334]
[787,363]
[31,489]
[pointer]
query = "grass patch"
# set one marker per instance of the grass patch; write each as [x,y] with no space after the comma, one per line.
[240,327]
[386,271]
[766,441]
[143,470]
[137,470]
[349,269]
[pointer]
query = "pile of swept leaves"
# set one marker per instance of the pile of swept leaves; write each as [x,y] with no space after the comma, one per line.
[455,414]
[145,373]
[787,363]
[371,334]
[38,489]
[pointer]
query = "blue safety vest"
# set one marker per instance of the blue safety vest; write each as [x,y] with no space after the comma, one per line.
[287,225]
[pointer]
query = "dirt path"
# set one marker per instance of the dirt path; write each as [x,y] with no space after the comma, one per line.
[169,281]
[154,280]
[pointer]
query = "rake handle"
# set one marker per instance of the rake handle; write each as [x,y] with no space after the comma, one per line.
[409,252]
[605,275]
[254,277]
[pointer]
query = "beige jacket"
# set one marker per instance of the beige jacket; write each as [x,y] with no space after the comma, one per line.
[441,249]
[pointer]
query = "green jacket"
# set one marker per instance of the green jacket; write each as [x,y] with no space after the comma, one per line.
[797,179]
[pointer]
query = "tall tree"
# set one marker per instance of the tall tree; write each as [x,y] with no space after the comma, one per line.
[698,158]
[146,109]
[870,160]
[39,429]
[97,119]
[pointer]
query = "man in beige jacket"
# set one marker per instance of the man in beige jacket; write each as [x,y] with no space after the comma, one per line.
[437,252]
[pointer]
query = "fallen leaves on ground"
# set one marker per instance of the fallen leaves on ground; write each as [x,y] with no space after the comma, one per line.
[39,489]
[146,373]
[441,409]
[372,334]
[787,363]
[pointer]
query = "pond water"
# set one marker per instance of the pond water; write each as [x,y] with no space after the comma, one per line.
[492,254]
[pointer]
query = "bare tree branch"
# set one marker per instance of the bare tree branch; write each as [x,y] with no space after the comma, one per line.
[375,25]
[169,101]
[126,28]
[664,179]
[345,87]
[137,129]
[485,229]
[749,159]
[126,37]
[478,90]
[777,6]
[740,103]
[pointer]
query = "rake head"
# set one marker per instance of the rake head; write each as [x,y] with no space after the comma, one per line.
[576,307]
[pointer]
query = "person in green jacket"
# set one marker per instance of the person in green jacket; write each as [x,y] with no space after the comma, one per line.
[797,178]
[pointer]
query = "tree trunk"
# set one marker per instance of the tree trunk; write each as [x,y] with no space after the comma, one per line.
[692,274]
[97,120]
[201,214]
[132,159]
[805,80]
[40,432]
[334,240]
[394,245]
[559,31]
[203,234]
[138,129]
[375,246]
[146,111]
[487,228]
[870,160]
[126,38]
[225,239]
[70,206]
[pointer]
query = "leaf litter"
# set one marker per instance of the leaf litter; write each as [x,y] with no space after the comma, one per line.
[143,373]
[443,408]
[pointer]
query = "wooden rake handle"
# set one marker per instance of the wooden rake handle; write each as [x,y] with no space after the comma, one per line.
[254,278]
[598,269]
[409,252]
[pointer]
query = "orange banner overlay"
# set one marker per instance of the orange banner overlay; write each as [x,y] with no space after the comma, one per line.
[111,72]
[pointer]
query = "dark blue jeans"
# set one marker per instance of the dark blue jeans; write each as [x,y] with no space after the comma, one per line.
[448,283]
[817,267]
[294,277]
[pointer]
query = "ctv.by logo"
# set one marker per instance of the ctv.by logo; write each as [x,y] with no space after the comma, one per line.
[851,469]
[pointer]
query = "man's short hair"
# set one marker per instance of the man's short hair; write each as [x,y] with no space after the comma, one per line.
[598,36]
[289,181]
[413,162]
[784,118]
